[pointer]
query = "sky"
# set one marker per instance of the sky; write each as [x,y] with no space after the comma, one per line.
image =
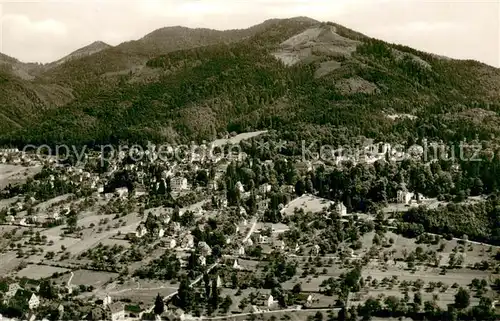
[46,30]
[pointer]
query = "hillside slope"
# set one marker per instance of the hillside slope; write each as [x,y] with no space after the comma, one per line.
[307,79]
[93,48]
[29,90]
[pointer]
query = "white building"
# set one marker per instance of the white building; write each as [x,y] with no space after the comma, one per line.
[34,302]
[265,188]
[121,192]
[117,311]
[11,292]
[107,301]
[404,197]
[240,187]
[270,301]
[178,184]
[241,250]
[341,208]
[263,239]
[205,249]
[141,231]
[212,185]
[161,232]
[172,243]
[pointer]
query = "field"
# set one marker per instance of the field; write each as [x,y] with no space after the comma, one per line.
[36,272]
[5,203]
[86,277]
[15,174]
[237,139]
[8,263]
[138,291]
[308,203]
[91,236]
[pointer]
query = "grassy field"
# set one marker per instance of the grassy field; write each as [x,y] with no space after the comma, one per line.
[309,203]
[33,271]
[16,174]
[86,277]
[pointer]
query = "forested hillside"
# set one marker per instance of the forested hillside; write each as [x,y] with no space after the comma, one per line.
[327,82]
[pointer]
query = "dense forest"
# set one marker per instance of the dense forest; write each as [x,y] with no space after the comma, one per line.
[202,92]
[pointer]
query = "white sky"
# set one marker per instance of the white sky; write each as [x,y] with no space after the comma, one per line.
[44,30]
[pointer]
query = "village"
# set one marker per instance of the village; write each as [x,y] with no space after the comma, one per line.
[229,237]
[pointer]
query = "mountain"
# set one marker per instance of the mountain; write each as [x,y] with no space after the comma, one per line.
[309,80]
[91,49]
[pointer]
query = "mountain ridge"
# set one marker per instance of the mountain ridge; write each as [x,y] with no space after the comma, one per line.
[341,81]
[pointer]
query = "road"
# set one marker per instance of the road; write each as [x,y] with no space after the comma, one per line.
[68,285]
[249,234]
[263,312]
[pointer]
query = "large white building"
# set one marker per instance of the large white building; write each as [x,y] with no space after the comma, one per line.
[34,302]
[178,184]
[341,208]
[404,197]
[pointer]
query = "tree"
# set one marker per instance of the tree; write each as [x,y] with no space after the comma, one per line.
[72,220]
[226,304]
[47,291]
[159,305]
[462,299]
[297,288]
[214,299]
[417,298]
[185,295]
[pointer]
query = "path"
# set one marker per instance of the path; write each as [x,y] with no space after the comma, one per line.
[262,312]
[68,286]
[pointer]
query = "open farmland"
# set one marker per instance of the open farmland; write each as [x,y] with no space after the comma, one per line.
[87,277]
[308,203]
[16,174]
[36,272]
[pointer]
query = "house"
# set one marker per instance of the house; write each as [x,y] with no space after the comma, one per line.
[204,248]
[161,232]
[239,187]
[315,250]
[263,239]
[404,197]
[188,242]
[212,185]
[33,302]
[172,243]
[55,216]
[270,301]
[11,292]
[60,308]
[309,300]
[107,301]
[140,191]
[241,250]
[265,188]
[121,192]
[141,231]
[203,261]
[116,311]
[304,166]
[9,219]
[178,184]
[341,208]
[219,281]
[236,265]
